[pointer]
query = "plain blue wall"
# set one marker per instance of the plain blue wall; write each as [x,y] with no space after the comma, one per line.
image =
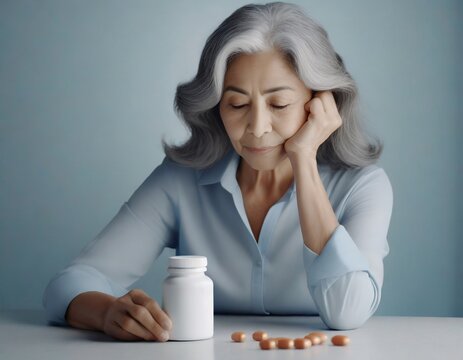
[460,155]
[86,93]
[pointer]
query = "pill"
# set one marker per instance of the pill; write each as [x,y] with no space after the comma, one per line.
[238,336]
[285,343]
[315,339]
[340,340]
[323,337]
[268,344]
[276,339]
[302,343]
[260,335]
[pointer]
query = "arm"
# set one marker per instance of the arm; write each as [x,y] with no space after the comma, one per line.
[316,214]
[319,226]
[344,281]
[124,250]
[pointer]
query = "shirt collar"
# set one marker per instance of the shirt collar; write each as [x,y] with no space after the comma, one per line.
[214,173]
[224,171]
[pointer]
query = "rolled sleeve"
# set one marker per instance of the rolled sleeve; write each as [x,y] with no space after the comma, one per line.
[69,283]
[340,282]
[339,257]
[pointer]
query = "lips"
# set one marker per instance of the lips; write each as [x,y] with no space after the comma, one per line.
[260,149]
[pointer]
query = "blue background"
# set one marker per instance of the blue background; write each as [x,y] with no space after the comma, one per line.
[86,93]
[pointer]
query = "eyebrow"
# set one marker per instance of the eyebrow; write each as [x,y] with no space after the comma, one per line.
[237,89]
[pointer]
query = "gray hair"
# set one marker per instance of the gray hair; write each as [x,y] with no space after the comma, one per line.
[253,28]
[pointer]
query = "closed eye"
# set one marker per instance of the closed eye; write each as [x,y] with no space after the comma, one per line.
[238,106]
[279,107]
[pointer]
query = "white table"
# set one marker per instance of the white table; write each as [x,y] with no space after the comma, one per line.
[25,334]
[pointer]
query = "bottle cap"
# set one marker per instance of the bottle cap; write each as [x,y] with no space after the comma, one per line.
[187,261]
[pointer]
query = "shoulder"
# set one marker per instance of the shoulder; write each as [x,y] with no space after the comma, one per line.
[353,176]
[169,176]
[170,167]
[371,181]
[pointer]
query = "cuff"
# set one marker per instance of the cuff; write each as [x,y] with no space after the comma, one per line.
[339,257]
[69,283]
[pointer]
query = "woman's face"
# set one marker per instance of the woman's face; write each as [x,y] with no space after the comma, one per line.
[262,106]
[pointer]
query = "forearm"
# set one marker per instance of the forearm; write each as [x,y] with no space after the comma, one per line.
[88,310]
[317,218]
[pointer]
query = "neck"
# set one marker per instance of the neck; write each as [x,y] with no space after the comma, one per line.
[276,180]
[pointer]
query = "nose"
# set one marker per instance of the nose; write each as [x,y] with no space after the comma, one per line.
[259,121]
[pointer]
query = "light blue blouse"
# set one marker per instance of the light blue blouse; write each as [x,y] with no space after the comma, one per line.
[201,212]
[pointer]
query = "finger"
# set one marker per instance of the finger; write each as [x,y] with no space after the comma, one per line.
[158,314]
[161,317]
[316,107]
[133,327]
[144,318]
[118,333]
[328,101]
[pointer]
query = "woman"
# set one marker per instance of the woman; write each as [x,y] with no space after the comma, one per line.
[277,186]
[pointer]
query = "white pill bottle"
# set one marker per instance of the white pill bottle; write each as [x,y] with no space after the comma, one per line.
[188,298]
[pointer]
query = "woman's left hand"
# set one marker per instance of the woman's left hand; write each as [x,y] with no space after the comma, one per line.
[322,121]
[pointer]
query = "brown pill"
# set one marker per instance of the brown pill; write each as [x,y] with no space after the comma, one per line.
[302,343]
[260,335]
[238,336]
[323,337]
[340,340]
[315,339]
[268,344]
[285,343]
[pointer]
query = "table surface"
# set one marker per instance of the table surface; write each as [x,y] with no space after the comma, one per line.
[25,334]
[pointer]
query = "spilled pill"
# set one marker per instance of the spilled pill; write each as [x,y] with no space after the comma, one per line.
[238,336]
[340,340]
[302,343]
[315,339]
[285,343]
[323,337]
[260,335]
[268,344]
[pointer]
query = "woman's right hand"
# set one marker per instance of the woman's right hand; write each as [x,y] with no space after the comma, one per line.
[135,316]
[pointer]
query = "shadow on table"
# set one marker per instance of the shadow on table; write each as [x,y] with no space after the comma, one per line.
[29,317]
[294,321]
[38,318]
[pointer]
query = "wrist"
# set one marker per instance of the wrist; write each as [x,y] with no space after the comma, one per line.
[302,159]
[88,310]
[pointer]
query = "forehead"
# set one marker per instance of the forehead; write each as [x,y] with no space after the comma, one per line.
[269,66]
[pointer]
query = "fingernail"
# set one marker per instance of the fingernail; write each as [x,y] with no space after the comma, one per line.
[164,336]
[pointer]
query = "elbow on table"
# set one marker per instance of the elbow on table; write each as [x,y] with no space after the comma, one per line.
[348,308]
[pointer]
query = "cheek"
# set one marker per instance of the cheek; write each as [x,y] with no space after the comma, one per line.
[234,127]
[291,123]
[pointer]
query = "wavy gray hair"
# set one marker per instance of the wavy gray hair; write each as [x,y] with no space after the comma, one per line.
[253,28]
